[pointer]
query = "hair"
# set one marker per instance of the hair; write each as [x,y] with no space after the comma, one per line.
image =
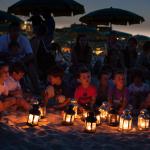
[103,73]
[79,37]
[133,39]
[146,46]
[55,46]
[13,44]
[137,73]
[81,70]
[17,68]
[56,72]
[3,64]
[117,72]
[14,25]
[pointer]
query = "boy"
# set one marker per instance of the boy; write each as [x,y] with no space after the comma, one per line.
[118,95]
[104,84]
[13,81]
[6,100]
[56,94]
[138,89]
[85,93]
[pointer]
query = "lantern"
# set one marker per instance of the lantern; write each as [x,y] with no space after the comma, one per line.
[113,117]
[34,116]
[90,123]
[143,120]
[75,106]
[125,123]
[104,111]
[69,116]
[98,117]
[85,112]
[42,110]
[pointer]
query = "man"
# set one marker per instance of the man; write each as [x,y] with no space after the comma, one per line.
[14,35]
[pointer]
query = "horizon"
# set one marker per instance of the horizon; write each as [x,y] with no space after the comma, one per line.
[137,6]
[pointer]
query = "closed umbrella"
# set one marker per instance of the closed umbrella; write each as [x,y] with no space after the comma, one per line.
[56,7]
[111,16]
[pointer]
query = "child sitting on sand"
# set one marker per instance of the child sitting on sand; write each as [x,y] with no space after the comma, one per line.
[13,82]
[118,95]
[104,84]
[85,93]
[146,103]
[6,99]
[138,90]
[56,95]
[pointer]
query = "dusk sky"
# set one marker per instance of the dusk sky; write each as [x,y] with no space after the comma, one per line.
[140,7]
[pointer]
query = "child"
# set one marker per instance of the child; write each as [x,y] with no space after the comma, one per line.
[56,94]
[102,92]
[13,82]
[118,95]
[15,52]
[6,100]
[85,93]
[138,89]
[146,103]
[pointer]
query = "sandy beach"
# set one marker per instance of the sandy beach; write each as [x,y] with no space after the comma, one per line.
[51,135]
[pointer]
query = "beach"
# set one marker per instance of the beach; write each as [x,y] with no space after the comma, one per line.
[52,135]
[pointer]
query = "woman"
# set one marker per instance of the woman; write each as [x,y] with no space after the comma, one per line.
[82,52]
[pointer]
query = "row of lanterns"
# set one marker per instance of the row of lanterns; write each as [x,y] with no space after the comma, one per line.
[93,118]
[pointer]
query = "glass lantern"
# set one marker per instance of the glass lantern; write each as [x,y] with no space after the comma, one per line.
[125,123]
[75,106]
[98,117]
[34,116]
[143,120]
[85,113]
[90,123]
[113,117]
[69,116]
[104,110]
[42,110]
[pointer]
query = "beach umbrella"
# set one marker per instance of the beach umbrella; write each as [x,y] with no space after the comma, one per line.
[141,38]
[111,16]
[55,7]
[6,17]
[89,31]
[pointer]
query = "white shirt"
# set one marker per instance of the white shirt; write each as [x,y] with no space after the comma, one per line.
[3,89]
[134,89]
[22,40]
[12,84]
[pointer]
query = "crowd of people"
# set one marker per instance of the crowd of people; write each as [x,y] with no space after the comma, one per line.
[122,79]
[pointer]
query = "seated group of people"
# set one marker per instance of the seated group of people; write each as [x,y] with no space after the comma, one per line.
[111,89]
[57,95]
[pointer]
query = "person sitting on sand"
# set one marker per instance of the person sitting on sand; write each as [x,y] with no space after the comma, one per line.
[6,99]
[104,84]
[118,95]
[138,90]
[146,103]
[56,95]
[13,82]
[85,93]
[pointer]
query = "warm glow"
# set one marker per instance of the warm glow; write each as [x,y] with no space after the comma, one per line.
[66,49]
[33,119]
[75,108]
[143,123]
[42,111]
[91,127]
[85,114]
[125,124]
[68,118]
[98,121]
[103,114]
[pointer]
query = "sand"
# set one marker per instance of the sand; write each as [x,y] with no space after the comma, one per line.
[52,135]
